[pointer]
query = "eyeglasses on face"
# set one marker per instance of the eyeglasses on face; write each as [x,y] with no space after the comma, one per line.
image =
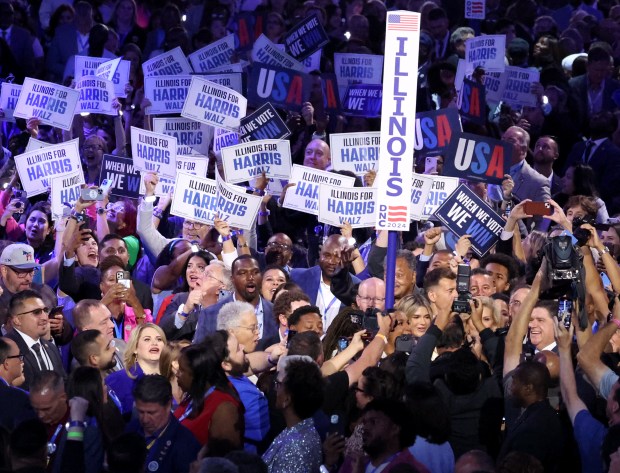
[38,312]
[251,328]
[190,224]
[22,273]
[371,299]
[20,356]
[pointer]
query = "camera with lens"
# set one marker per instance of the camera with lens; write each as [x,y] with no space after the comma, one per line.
[370,322]
[581,234]
[563,259]
[461,303]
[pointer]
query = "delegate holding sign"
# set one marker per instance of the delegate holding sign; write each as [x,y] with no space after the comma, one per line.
[464,213]
[235,206]
[248,160]
[166,93]
[193,138]
[263,124]
[170,63]
[8,100]
[36,168]
[478,158]
[213,55]
[194,198]
[338,205]
[214,104]
[400,84]
[52,104]
[304,195]
[355,152]
[154,152]
[96,96]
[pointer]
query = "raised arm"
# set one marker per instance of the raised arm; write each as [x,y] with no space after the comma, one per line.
[518,328]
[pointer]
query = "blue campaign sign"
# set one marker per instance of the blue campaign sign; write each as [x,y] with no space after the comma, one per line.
[464,213]
[306,37]
[434,131]
[478,158]
[263,124]
[331,96]
[285,88]
[472,103]
[125,178]
[363,100]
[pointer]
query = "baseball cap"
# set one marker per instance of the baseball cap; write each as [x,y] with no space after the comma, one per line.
[19,255]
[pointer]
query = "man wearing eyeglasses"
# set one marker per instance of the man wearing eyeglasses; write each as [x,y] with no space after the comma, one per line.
[15,406]
[371,293]
[29,319]
[17,268]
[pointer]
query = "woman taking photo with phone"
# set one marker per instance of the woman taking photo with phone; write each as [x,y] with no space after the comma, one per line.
[119,296]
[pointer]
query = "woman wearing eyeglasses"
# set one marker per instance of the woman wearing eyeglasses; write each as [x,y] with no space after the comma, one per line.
[142,357]
[211,409]
[203,279]
[116,217]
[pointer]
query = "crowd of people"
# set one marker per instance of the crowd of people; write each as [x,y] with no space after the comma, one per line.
[135,340]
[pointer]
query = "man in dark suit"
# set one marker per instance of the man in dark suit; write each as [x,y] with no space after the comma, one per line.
[15,406]
[593,90]
[537,431]
[30,322]
[316,281]
[602,156]
[247,280]
[546,152]
[19,39]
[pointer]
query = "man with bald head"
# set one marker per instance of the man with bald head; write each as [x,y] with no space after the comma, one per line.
[371,293]
[316,281]
[317,155]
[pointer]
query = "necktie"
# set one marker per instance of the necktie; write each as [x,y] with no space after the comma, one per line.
[37,351]
[588,151]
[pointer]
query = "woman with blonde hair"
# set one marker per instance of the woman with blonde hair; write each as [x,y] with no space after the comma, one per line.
[413,317]
[142,357]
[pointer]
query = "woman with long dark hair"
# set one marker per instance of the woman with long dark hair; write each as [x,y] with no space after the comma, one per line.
[211,409]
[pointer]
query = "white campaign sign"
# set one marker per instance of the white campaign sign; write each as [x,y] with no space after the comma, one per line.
[355,152]
[8,100]
[65,189]
[166,93]
[193,138]
[443,186]
[115,70]
[487,52]
[353,69]
[154,152]
[338,205]
[170,63]
[235,206]
[194,198]
[36,168]
[216,54]
[33,144]
[51,103]
[214,104]
[266,52]
[400,83]
[96,96]
[420,187]
[223,138]
[228,68]
[248,160]
[517,91]
[108,69]
[304,195]
[195,165]
[231,80]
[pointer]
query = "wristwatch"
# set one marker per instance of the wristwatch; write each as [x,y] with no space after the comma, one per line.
[100,210]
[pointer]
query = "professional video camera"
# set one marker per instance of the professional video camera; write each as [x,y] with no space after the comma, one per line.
[461,303]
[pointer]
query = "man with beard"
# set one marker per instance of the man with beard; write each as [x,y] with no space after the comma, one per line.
[546,152]
[256,406]
[92,348]
[247,280]
[388,432]
[91,314]
[316,281]
[279,250]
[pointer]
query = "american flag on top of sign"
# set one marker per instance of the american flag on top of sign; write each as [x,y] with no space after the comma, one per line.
[403,23]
